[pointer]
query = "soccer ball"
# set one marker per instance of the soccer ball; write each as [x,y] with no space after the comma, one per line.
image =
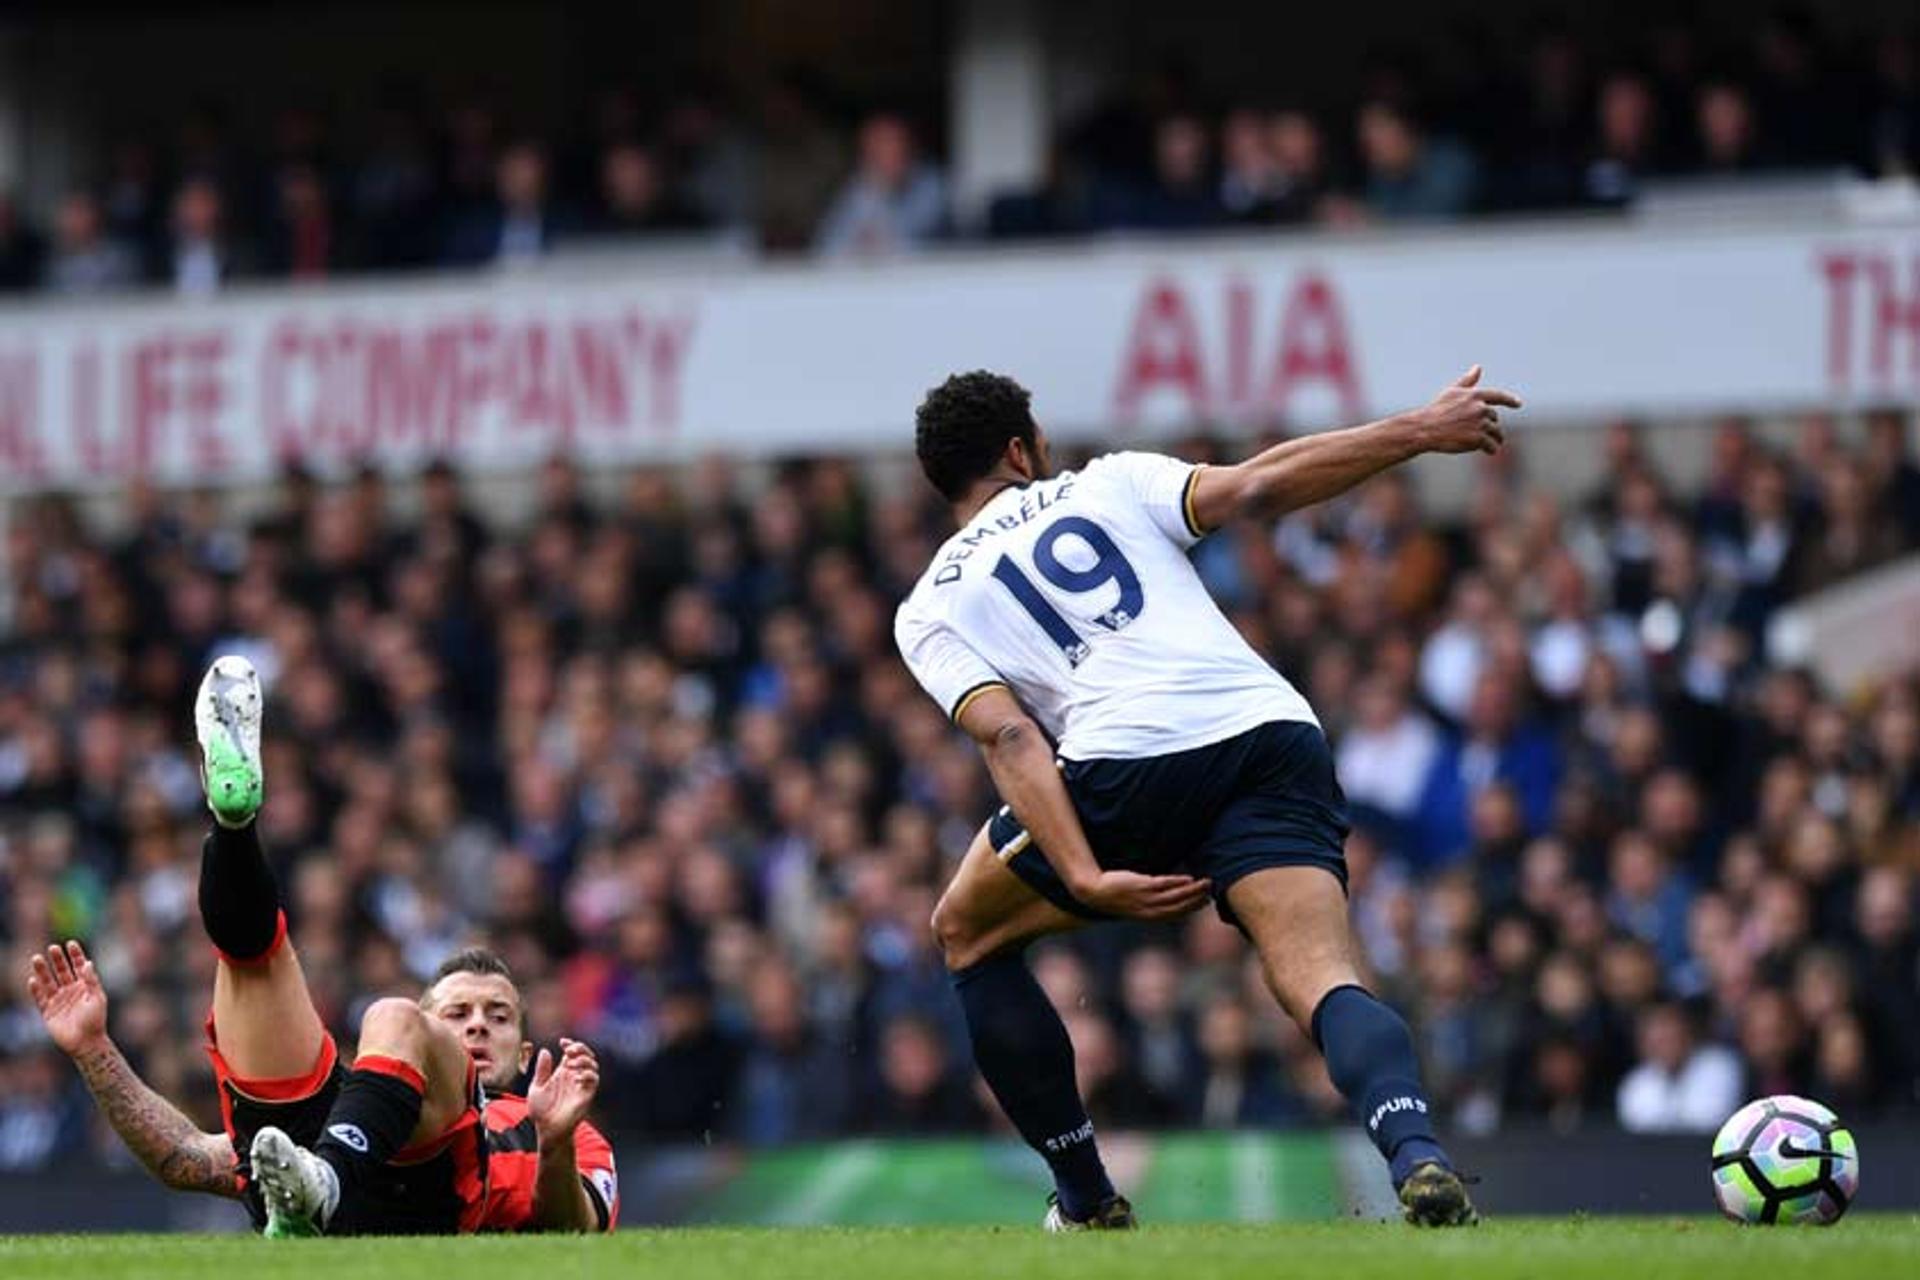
[1785,1159]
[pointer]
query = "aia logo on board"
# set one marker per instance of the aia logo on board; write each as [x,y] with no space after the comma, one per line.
[1244,351]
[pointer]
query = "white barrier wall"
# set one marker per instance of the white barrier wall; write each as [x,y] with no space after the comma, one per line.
[1864,630]
[498,372]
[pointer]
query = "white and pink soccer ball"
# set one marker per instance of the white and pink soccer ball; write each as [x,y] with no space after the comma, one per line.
[1785,1160]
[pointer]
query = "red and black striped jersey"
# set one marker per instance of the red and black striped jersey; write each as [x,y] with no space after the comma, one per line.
[513,1166]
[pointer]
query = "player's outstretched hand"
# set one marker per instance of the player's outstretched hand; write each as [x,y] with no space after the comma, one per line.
[66,989]
[1465,416]
[562,1089]
[1142,897]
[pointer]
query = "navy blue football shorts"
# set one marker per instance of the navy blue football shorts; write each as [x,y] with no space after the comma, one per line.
[1264,798]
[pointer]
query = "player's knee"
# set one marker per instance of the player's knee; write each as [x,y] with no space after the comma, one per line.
[396,1027]
[956,937]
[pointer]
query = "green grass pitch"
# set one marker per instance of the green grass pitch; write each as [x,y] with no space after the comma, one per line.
[1515,1249]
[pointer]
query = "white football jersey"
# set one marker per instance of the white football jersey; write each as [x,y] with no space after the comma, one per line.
[1076,593]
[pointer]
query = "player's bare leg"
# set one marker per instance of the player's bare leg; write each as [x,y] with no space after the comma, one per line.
[264,1021]
[264,1024]
[409,1088]
[983,923]
[987,908]
[1297,918]
[399,1031]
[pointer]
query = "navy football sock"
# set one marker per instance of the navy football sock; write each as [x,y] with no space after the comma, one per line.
[1370,1056]
[1023,1051]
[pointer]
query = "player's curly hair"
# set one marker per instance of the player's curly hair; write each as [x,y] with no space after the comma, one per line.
[964,424]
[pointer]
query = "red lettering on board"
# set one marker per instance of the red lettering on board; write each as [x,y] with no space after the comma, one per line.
[1163,353]
[22,454]
[1872,329]
[1169,352]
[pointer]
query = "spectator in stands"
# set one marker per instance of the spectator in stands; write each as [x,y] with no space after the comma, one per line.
[1241,1085]
[1774,1044]
[1117,1096]
[1308,188]
[1680,1085]
[201,257]
[131,202]
[1647,897]
[1388,751]
[1849,536]
[709,159]
[794,1085]
[1893,474]
[1727,139]
[1553,123]
[470,155]
[20,249]
[390,193]
[1459,1031]
[894,202]
[802,162]
[1563,1085]
[1455,652]
[84,260]
[1410,175]
[303,241]
[1565,642]
[1843,1067]
[680,1091]
[1179,195]
[521,224]
[1250,180]
[1792,98]
[1159,1038]
[1892,135]
[634,200]
[1626,152]
[1888,954]
[38,1118]
[1495,743]
[920,1091]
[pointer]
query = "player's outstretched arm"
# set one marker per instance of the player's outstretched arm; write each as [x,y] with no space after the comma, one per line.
[1024,771]
[67,991]
[1463,418]
[558,1099]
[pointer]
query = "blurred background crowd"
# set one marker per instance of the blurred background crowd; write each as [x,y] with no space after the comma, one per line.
[1484,119]
[656,745]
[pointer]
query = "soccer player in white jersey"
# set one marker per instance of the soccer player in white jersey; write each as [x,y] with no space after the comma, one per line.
[1147,757]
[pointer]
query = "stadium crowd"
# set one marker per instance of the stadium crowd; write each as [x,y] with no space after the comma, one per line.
[1477,122]
[659,749]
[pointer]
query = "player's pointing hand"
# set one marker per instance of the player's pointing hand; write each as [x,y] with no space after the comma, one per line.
[1465,416]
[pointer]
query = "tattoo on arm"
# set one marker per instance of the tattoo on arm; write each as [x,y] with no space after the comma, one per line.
[172,1147]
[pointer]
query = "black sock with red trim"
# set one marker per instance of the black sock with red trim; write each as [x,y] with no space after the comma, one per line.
[369,1123]
[239,897]
[376,1112]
